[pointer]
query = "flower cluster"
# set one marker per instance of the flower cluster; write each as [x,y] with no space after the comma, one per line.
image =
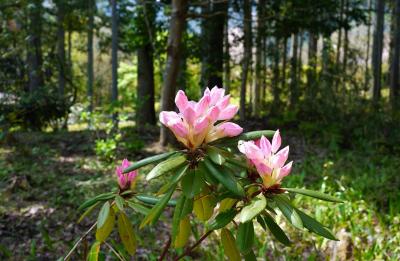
[265,157]
[126,181]
[195,122]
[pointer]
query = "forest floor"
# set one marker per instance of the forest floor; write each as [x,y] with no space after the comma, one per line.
[44,177]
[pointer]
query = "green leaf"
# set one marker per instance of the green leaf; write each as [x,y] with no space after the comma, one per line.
[288,211]
[245,237]
[92,201]
[253,135]
[126,233]
[203,206]
[316,227]
[94,252]
[250,256]
[177,217]
[103,232]
[166,166]
[225,178]
[138,208]
[103,214]
[276,230]
[261,221]
[314,194]
[87,212]
[119,201]
[215,155]
[156,211]
[149,160]
[255,207]
[192,183]
[228,243]
[153,200]
[222,219]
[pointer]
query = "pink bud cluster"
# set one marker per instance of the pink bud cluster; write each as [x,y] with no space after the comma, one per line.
[195,123]
[265,157]
[125,181]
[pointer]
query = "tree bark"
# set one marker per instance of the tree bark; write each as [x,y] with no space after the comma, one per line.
[284,63]
[275,80]
[176,28]
[114,59]
[246,56]
[377,50]
[34,54]
[227,66]
[293,73]
[367,72]
[61,48]
[213,43]
[256,97]
[312,66]
[395,66]
[90,71]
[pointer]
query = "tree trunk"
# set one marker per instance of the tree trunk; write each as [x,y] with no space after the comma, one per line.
[312,66]
[300,60]
[284,63]
[90,71]
[377,50]
[246,56]
[61,48]
[339,45]
[343,74]
[293,73]
[256,97]
[213,40]
[395,66]
[176,28]
[275,79]
[227,66]
[114,59]
[367,73]
[34,54]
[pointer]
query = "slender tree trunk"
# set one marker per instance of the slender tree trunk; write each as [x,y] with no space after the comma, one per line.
[284,63]
[343,74]
[275,80]
[90,71]
[395,67]
[377,50]
[367,72]
[246,56]
[69,56]
[61,48]
[227,66]
[176,28]
[339,44]
[213,43]
[114,59]
[34,54]
[256,97]
[312,66]
[300,60]
[293,73]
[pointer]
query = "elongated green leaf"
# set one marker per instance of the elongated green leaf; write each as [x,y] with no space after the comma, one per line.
[156,211]
[183,234]
[94,252]
[88,211]
[103,214]
[222,219]
[119,201]
[166,166]
[138,208]
[245,237]
[237,163]
[253,135]
[177,217]
[276,230]
[314,194]
[316,227]
[92,201]
[215,155]
[203,206]
[261,221]
[255,207]
[206,174]
[288,211]
[192,183]
[225,178]
[103,232]
[149,160]
[154,200]
[250,256]
[228,243]
[126,233]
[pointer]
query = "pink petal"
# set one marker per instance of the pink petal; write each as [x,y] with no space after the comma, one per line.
[201,125]
[265,146]
[178,127]
[125,164]
[280,158]
[181,100]
[166,116]
[285,170]
[262,168]
[203,104]
[189,115]
[228,113]
[216,94]
[250,150]
[276,141]
[224,102]
[230,129]
[122,181]
[213,114]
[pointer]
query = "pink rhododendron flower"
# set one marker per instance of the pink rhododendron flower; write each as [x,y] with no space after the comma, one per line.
[269,162]
[195,122]
[126,181]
